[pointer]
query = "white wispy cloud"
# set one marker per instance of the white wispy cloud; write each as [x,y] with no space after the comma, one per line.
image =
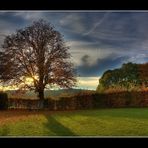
[30,16]
[97,24]
[73,22]
[140,58]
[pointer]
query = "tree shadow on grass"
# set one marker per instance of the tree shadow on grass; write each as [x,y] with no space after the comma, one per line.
[57,128]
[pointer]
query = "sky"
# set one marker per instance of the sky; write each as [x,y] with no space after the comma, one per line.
[98,40]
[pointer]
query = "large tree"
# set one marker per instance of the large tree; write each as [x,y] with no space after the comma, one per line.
[129,76]
[37,52]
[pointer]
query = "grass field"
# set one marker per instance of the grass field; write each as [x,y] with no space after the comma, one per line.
[103,122]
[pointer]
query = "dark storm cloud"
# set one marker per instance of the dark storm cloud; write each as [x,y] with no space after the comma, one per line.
[11,17]
[121,30]
[101,65]
[85,60]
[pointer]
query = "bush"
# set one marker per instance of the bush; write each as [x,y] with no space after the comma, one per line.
[3,101]
[86,100]
[99,100]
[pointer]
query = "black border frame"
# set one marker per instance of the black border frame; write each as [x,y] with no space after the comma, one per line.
[72,5]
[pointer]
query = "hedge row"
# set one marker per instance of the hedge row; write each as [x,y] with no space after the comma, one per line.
[83,102]
[80,101]
[24,104]
[3,101]
[125,99]
[106,100]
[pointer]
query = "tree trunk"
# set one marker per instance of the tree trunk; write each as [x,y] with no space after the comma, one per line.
[41,94]
[55,105]
[41,98]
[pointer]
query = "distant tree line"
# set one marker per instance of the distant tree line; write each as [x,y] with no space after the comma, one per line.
[129,76]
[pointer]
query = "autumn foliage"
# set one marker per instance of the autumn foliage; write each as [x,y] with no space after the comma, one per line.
[84,100]
[129,77]
[37,52]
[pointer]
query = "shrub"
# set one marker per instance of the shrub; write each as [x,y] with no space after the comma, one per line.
[87,100]
[3,101]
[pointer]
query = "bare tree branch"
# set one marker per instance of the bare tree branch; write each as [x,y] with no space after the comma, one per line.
[39,52]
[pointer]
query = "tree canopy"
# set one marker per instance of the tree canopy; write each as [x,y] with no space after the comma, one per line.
[37,52]
[130,75]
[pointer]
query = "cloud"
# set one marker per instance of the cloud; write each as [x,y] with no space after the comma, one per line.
[73,22]
[101,65]
[98,40]
[85,59]
[29,16]
[6,28]
[93,49]
[97,24]
[88,82]
[121,30]
[140,58]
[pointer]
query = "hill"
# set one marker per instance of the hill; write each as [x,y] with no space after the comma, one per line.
[53,94]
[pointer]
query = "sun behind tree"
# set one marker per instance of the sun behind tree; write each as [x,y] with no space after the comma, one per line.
[37,52]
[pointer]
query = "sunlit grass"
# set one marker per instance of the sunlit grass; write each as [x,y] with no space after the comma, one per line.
[103,122]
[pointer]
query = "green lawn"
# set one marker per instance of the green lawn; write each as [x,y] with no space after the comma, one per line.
[102,122]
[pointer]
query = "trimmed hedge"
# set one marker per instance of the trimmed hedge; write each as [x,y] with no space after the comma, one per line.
[83,101]
[3,101]
[25,104]
[124,99]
